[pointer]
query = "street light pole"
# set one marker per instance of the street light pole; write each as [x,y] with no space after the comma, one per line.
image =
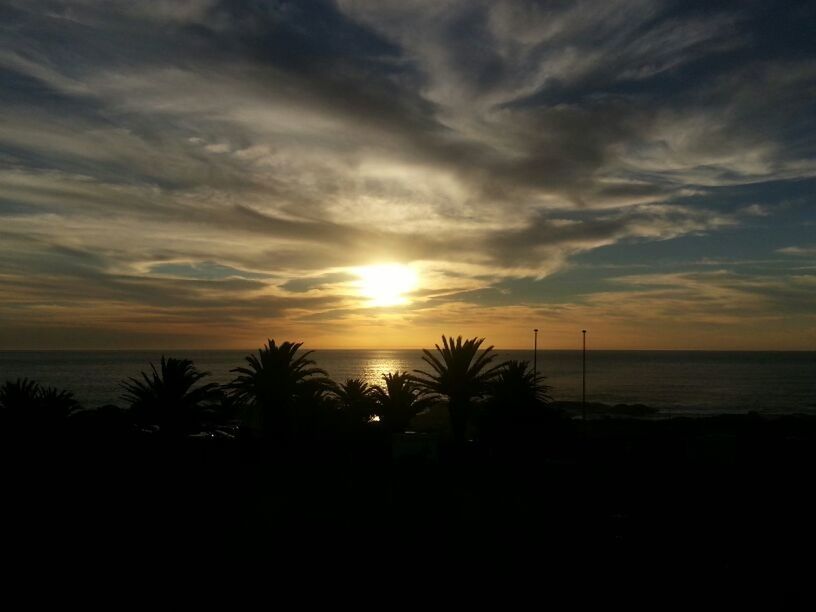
[535,355]
[583,379]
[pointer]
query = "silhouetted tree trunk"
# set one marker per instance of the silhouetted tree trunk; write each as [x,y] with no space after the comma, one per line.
[458,410]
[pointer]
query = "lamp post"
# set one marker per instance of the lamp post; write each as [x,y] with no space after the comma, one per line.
[535,356]
[583,379]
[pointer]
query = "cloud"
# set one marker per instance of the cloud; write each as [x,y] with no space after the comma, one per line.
[175,159]
[805,251]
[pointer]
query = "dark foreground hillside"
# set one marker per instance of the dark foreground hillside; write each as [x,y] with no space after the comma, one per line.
[723,503]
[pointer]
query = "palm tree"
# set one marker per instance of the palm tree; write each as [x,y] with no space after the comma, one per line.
[57,404]
[167,398]
[20,396]
[516,385]
[315,409]
[461,374]
[357,400]
[399,401]
[519,417]
[27,404]
[273,383]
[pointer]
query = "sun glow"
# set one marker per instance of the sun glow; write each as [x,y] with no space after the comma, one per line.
[386,284]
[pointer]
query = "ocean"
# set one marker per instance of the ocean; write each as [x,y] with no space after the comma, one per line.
[676,382]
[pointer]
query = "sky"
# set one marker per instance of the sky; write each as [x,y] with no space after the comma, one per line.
[211,173]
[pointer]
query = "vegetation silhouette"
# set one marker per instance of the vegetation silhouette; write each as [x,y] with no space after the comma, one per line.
[399,401]
[276,382]
[167,398]
[21,393]
[632,486]
[461,374]
[517,384]
[518,415]
[35,409]
[357,401]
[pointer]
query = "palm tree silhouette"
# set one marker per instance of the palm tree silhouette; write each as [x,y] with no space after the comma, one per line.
[399,401]
[166,397]
[516,384]
[34,407]
[518,415]
[20,396]
[272,384]
[357,400]
[56,405]
[461,374]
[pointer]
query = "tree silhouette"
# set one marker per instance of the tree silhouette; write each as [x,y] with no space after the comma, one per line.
[56,405]
[166,396]
[517,384]
[461,374]
[23,395]
[39,409]
[518,416]
[60,401]
[399,401]
[272,385]
[357,400]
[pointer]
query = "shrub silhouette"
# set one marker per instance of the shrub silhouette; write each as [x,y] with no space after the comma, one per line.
[461,374]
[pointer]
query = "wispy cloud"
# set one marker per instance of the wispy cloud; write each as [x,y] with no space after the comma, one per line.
[209,163]
[805,251]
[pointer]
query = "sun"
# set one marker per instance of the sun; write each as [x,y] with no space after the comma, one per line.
[386,284]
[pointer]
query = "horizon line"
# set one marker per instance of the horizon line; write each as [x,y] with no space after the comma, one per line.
[409,348]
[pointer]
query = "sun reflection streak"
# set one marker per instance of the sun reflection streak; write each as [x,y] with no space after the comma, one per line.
[376,368]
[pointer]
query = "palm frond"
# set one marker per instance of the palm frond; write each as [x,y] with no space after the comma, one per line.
[168,396]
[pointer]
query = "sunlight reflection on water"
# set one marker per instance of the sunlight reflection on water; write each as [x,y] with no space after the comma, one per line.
[372,370]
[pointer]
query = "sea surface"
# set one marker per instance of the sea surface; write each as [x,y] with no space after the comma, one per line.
[675,382]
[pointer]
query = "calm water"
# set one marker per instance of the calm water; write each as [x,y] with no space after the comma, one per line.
[677,381]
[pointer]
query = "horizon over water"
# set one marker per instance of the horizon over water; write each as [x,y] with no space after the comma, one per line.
[671,381]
